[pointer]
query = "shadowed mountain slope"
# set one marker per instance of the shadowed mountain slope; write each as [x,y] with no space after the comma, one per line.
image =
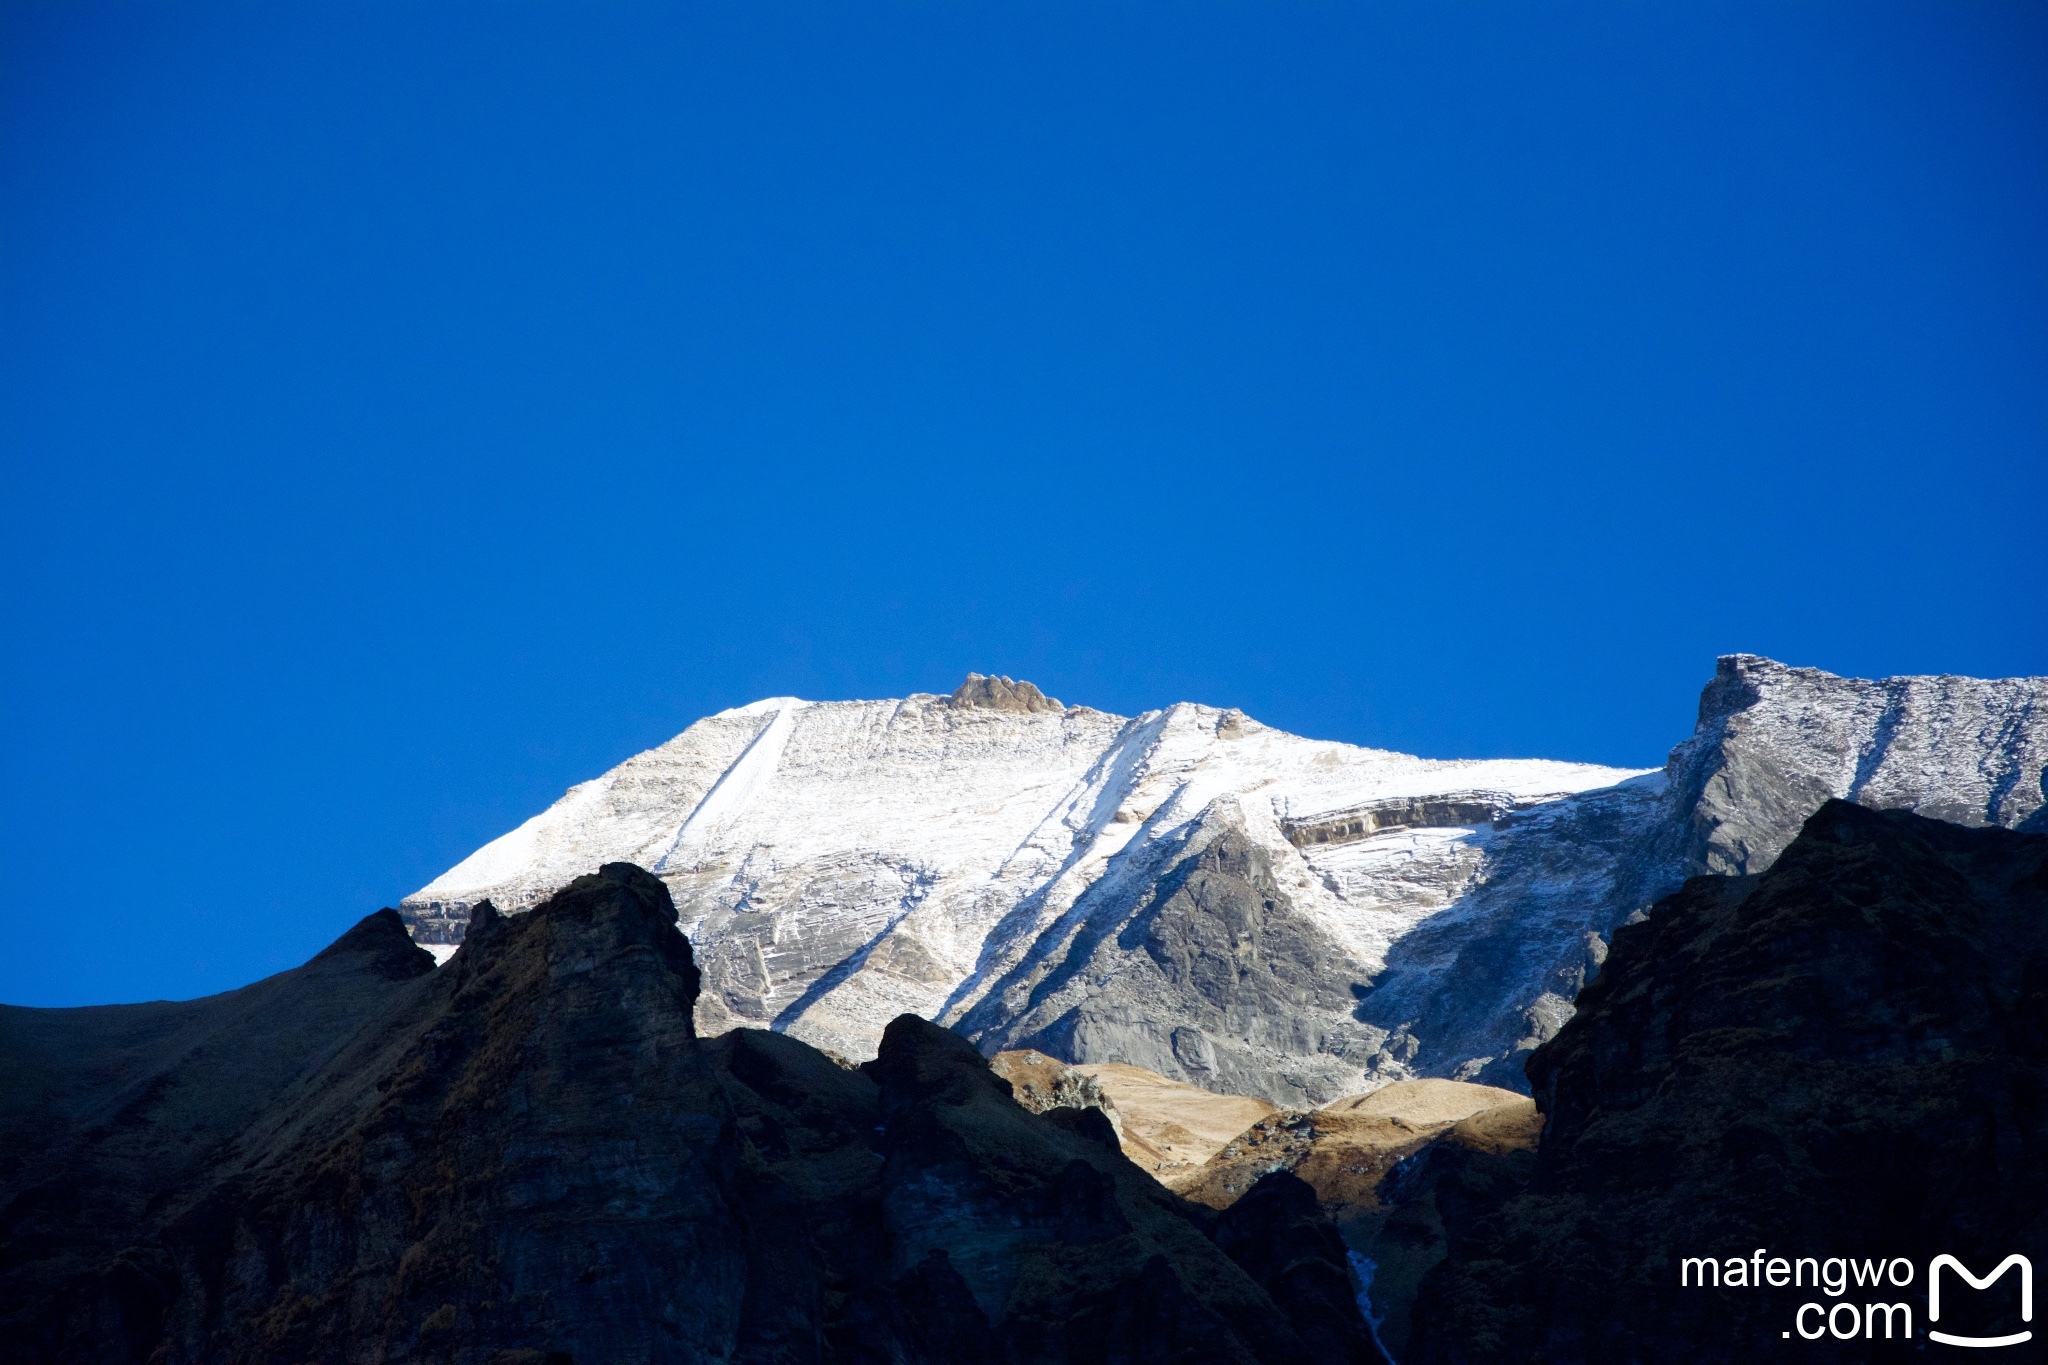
[105,1111]
[529,1156]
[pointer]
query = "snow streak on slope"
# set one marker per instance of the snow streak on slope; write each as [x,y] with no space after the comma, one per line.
[630,814]
[741,783]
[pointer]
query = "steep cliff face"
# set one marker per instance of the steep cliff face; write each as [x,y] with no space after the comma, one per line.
[529,1155]
[1846,1056]
[1495,975]
[1774,742]
[1195,893]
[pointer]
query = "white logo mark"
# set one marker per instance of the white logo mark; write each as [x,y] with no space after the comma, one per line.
[2026,1298]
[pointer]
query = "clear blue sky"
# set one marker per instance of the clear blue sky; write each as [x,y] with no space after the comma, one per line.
[408,410]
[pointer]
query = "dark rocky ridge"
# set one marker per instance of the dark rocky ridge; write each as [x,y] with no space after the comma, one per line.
[105,1110]
[1845,1056]
[529,1156]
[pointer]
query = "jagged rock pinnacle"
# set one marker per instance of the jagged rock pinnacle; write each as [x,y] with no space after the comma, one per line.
[991,692]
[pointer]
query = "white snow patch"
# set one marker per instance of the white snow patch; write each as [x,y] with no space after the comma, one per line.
[740,785]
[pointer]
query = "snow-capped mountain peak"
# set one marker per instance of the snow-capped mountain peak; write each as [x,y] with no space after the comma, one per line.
[1190,890]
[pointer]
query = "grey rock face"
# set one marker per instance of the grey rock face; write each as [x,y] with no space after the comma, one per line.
[1471,990]
[1451,810]
[1209,973]
[1774,743]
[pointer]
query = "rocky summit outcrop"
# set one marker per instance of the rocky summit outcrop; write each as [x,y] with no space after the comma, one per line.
[1001,693]
[1197,894]
[1845,1056]
[530,1157]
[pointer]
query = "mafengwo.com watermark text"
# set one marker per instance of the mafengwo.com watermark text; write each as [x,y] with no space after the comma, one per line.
[1862,1299]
